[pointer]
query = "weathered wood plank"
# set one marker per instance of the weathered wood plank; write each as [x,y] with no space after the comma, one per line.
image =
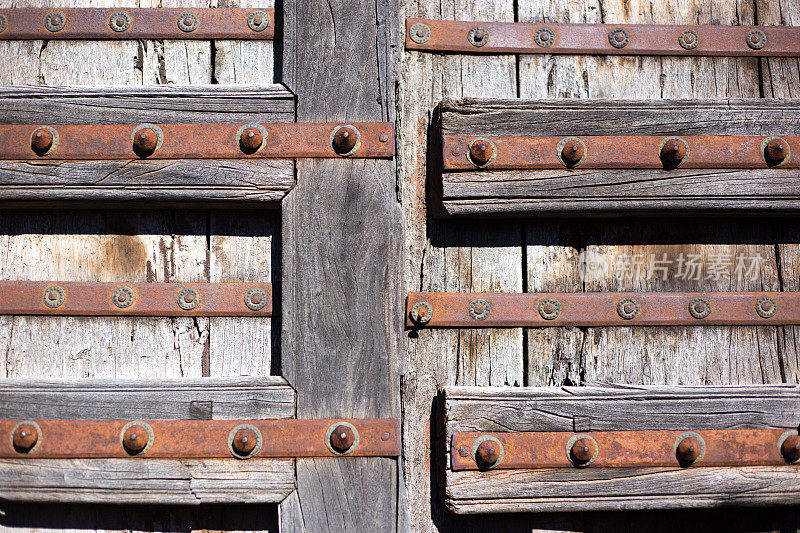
[121,399]
[618,408]
[447,255]
[587,191]
[335,263]
[154,482]
[158,181]
[171,481]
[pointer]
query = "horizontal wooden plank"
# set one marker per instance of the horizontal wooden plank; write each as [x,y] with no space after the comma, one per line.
[612,191]
[159,182]
[156,482]
[123,399]
[617,408]
[159,481]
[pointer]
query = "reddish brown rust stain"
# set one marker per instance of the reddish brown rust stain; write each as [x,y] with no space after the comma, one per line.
[645,39]
[203,438]
[125,257]
[145,23]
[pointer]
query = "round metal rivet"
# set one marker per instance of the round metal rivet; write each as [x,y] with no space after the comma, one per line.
[571,151]
[242,434]
[122,297]
[137,437]
[699,308]
[478,36]
[789,446]
[255,299]
[187,21]
[420,33]
[119,21]
[549,309]
[3,23]
[351,435]
[544,37]
[673,151]
[766,307]
[776,151]
[55,21]
[479,309]
[343,142]
[53,296]
[686,448]
[258,20]
[26,437]
[628,308]
[421,312]
[619,38]
[577,457]
[689,39]
[756,39]
[44,140]
[482,152]
[487,451]
[144,141]
[188,299]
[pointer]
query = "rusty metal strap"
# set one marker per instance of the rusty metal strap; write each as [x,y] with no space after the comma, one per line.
[468,152]
[604,39]
[201,439]
[483,310]
[69,298]
[623,449]
[196,141]
[136,23]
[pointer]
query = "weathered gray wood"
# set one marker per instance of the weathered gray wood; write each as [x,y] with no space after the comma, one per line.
[154,482]
[121,399]
[146,481]
[158,181]
[342,253]
[618,408]
[587,191]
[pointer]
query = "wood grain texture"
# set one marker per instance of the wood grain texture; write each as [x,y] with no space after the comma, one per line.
[158,181]
[169,481]
[619,408]
[342,251]
[586,191]
[450,256]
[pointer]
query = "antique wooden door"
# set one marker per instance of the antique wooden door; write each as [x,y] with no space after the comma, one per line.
[343,241]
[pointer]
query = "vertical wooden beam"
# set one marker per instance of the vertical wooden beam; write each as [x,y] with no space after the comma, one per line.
[342,261]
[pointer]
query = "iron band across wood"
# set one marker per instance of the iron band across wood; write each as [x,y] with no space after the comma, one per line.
[485,310]
[464,152]
[137,23]
[71,298]
[607,39]
[625,449]
[196,141]
[165,439]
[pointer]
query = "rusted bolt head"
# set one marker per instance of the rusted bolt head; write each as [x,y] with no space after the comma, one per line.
[481,151]
[673,152]
[479,308]
[145,141]
[688,450]
[257,20]
[572,153]
[250,140]
[256,298]
[619,37]
[790,448]
[582,451]
[629,308]
[342,438]
[463,451]
[479,34]
[41,140]
[188,297]
[776,151]
[244,441]
[384,137]
[52,296]
[456,151]
[25,437]
[487,453]
[344,140]
[420,32]
[135,439]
